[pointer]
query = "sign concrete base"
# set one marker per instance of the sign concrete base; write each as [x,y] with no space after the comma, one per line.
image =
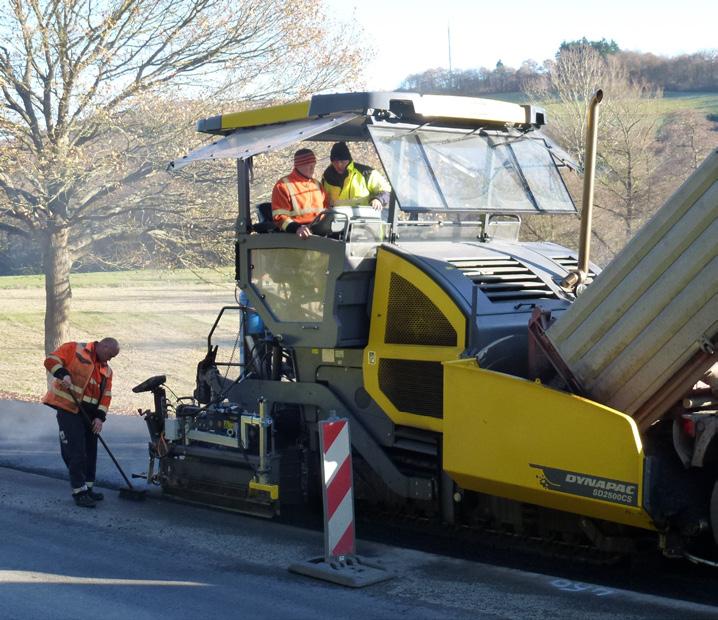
[352,572]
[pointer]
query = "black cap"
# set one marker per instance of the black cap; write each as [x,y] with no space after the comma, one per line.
[340,151]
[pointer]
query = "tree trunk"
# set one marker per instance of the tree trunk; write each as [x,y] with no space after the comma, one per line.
[56,265]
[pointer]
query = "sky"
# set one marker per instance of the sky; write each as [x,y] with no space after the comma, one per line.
[410,36]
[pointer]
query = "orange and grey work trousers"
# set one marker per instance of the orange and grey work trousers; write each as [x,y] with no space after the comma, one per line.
[78,446]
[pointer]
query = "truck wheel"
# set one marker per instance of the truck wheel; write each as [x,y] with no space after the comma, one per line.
[714,512]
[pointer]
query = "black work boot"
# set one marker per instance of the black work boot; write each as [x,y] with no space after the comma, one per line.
[83,499]
[95,495]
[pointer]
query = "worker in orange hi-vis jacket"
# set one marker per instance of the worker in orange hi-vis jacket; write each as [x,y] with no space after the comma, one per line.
[298,198]
[81,373]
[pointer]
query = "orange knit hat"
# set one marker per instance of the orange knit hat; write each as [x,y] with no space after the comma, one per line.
[303,157]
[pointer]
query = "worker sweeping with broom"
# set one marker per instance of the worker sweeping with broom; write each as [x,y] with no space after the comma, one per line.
[81,393]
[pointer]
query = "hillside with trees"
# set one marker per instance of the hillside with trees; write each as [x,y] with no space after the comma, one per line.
[697,72]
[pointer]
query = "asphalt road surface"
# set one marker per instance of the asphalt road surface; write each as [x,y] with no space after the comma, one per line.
[160,559]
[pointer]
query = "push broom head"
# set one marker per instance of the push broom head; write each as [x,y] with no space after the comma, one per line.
[135,495]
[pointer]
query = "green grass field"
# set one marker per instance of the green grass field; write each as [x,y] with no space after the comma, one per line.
[160,318]
[704,102]
[125,279]
[670,102]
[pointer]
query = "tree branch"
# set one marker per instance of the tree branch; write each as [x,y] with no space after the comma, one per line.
[14,230]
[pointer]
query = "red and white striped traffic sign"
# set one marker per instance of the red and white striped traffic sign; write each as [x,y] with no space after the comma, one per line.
[339,539]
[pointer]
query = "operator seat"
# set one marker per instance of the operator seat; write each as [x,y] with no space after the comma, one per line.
[265,223]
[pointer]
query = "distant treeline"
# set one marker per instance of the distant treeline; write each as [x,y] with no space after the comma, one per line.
[688,72]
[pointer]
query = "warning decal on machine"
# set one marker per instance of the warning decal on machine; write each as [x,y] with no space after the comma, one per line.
[585,485]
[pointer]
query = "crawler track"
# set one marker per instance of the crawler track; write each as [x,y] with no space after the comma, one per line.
[646,570]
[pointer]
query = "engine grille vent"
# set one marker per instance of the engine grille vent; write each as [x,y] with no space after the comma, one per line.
[504,279]
[413,386]
[569,263]
[412,318]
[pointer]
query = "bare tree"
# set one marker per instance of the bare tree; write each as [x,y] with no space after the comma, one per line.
[688,136]
[72,72]
[627,135]
[568,86]
[627,155]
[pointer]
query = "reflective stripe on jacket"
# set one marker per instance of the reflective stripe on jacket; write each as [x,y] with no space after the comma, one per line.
[359,186]
[297,199]
[91,379]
